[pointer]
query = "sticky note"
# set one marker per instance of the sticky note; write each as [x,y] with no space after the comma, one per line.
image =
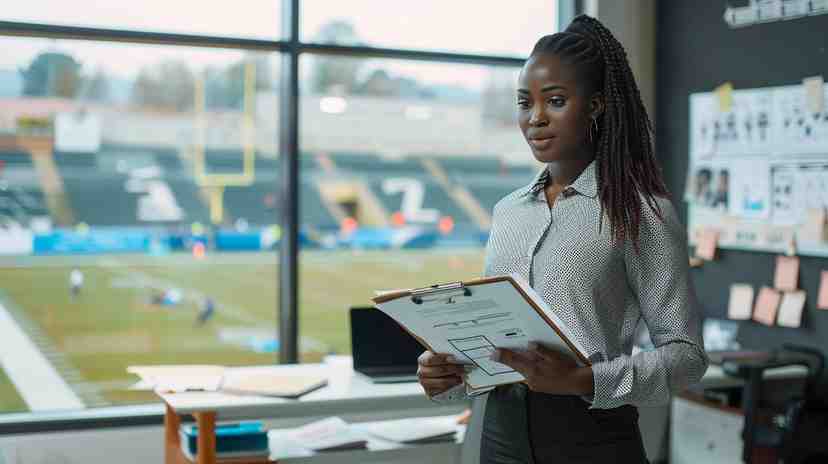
[740,305]
[767,303]
[706,246]
[813,229]
[814,93]
[822,298]
[724,94]
[787,273]
[790,310]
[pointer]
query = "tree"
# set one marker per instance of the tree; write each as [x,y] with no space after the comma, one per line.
[225,87]
[169,85]
[498,98]
[335,73]
[96,88]
[52,74]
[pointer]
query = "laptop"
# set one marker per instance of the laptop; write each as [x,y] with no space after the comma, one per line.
[381,349]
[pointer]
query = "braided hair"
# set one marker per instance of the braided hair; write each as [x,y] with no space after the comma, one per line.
[625,162]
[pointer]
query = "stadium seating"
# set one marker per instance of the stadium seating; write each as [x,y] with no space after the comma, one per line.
[434,197]
[312,208]
[369,164]
[258,204]
[15,159]
[71,161]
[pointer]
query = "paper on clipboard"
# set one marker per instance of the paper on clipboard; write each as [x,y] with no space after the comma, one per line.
[469,320]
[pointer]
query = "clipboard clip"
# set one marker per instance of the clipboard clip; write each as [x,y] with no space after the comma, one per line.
[440,291]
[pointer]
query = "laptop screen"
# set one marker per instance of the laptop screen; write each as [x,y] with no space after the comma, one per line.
[379,344]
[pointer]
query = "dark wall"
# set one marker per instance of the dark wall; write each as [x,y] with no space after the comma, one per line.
[697,51]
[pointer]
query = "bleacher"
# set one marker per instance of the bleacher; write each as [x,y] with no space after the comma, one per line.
[75,162]
[90,177]
[13,159]
[434,197]
[312,210]
[368,164]
[258,204]
[101,201]
[165,157]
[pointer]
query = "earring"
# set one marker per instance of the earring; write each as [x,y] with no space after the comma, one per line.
[592,131]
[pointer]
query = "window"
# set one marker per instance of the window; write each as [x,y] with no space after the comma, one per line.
[404,162]
[254,19]
[138,182]
[466,26]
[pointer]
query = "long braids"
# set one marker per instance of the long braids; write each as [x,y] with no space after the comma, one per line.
[626,164]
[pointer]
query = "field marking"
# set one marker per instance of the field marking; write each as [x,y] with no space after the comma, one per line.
[36,380]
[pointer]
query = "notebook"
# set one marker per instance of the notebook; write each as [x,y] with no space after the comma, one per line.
[274,384]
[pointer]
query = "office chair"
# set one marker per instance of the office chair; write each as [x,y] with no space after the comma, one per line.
[784,433]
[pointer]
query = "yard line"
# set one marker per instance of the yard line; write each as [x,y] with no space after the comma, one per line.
[36,380]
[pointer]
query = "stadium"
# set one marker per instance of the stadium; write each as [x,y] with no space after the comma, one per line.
[154,228]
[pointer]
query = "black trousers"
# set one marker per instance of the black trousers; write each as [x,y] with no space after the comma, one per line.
[524,427]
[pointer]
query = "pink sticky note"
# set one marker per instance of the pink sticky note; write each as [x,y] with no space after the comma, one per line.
[706,246]
[787,273]
[822,299]
[767,303]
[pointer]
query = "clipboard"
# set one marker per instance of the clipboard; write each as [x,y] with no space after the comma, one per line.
[470,319]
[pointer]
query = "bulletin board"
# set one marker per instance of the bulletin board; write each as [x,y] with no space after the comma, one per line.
[758,168]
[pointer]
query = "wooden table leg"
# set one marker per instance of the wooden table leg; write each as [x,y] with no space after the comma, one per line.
[172,441]
[206,422]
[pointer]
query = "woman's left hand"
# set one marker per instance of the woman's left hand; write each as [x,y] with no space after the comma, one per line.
[547,371]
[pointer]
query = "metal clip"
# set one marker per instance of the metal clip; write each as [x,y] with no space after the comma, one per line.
[447,291]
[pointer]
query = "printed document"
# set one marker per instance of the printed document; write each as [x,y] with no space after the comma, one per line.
[470,319]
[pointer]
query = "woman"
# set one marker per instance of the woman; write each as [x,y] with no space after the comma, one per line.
[597,237]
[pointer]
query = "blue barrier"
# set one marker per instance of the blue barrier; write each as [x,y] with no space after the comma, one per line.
[92,242]
[101,240]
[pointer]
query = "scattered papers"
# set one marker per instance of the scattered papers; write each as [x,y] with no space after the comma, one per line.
[328,434]
[740,306]
[790,311]
[767,303]
[178,378]
[787,273]
[415,429]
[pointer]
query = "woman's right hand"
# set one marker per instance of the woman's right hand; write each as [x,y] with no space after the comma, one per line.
[438,372]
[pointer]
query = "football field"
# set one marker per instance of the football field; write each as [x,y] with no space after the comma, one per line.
[119,318]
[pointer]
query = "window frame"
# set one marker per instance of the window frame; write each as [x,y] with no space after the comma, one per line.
[290,48]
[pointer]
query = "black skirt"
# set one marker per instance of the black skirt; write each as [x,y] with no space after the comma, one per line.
[522,426]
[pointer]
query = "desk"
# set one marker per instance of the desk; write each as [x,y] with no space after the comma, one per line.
[346,393]
[703,432]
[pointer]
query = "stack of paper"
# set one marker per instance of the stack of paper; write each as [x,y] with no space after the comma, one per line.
[415,429]
[178,378]
[329,434]
[273,384]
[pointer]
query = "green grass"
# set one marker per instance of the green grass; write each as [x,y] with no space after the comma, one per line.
[112,324]
[10,401]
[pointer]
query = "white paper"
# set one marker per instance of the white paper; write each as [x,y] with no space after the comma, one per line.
[413,429]
[740,306]
[325,434]
[790,310]
[750,189]
[470,327]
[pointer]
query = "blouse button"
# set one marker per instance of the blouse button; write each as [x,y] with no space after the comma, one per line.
[568,192]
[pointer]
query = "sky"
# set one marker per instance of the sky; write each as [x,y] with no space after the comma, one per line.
[473,26]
